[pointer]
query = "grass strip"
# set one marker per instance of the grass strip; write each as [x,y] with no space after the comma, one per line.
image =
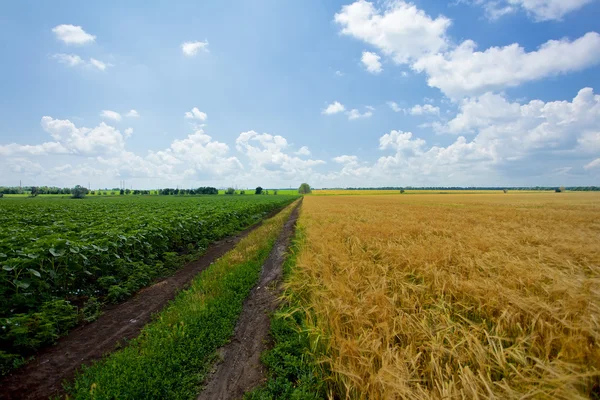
[170,357]
[293,372]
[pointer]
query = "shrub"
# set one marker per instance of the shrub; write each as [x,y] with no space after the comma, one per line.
[230,191]
[242,192]
[91,309]
[275,191]
[304,189]
[258,190]
[79,192]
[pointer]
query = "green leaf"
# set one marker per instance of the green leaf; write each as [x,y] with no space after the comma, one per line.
[21,284]
[8,267]
[56,253]
[34,272]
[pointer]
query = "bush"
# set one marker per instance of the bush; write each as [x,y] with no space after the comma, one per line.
[79,192]
[1,195]
[275,191]
[91,309]
[258,190]
[242,192]
[230,191]
[304,189]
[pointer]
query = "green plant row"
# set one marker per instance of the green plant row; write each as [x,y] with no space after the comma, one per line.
[58,257]
[170,357]
[293,371]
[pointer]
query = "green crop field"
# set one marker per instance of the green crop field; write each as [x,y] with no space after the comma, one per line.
[60,258]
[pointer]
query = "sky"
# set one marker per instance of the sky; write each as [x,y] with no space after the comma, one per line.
[276,93]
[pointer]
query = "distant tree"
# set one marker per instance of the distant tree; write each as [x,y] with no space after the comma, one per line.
[304,189]
[258,190]
[275,191]
[266,192]
[1,195]
[121,192]
[505,190]
[242,192]
[127,191]
[560,189]
[93,192]
[401,191]
[79,192]
[112,193]
[230,191]
[35,191]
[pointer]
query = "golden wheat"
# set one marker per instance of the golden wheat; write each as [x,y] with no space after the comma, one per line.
[453,296]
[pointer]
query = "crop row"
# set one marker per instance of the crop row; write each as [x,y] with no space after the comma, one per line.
[60,257]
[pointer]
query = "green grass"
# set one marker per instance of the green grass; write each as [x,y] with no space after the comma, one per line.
[170,357]
[292,369]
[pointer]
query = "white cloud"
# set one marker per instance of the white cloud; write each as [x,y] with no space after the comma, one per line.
[334,108]
[108,114]
[71,34]
[99,64]
[196,114]
[464,71]
[355,114]
[132,114]
[426,109]
[408,35]
[128,132]
[593,164]
[190,49]
[303,151]
[71,60]
[371,62]
[401,31]
[339,73]
[394,106]
[539,10]
[345,159]
[268,158]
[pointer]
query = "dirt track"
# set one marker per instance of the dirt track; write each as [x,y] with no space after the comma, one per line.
[43,376]
[240,369]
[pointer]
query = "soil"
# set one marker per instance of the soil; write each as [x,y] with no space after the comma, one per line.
[43,376]
[240,369]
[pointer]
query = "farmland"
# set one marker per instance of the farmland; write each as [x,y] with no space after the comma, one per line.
[430,296]
[60,258]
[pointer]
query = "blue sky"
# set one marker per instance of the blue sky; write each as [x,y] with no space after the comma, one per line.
[274,93]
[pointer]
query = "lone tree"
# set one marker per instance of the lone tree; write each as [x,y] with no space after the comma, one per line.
[34,191]
[79,192]
[304,189]
[258,190]
[230,191]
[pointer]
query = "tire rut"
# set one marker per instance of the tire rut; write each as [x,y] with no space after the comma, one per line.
[240,369]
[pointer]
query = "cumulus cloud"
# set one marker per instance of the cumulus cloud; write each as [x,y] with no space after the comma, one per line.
[371,62]
[128,132]
[426,109]
[113,115]
[408,35]
[465,71]
[190,49]
[99,64]
[539,10]
[394,106]
[401,31]
[133,114]
[73,60]
[303,151]
[71,34]
[355,114]
[345,159]
[196,114]
[334,108]
[267,155]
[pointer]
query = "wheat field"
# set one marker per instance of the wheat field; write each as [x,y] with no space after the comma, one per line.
[453,296]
